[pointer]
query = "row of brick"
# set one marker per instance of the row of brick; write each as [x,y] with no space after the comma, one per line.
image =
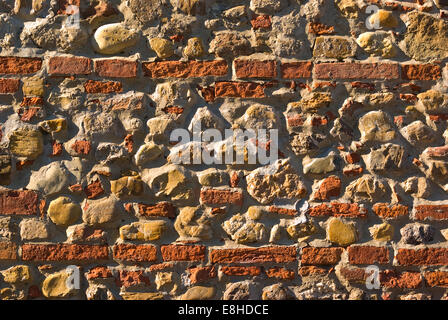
[26,202]
[244,68]
[357,254]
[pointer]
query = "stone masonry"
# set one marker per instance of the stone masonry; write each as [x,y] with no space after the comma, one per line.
[90,91]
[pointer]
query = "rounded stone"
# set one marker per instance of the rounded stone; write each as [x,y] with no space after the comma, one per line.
[163,48]
[55,285]
[341,233]
[199,293]
[194,48]
[114,38]
[63,212]
[17,275]
[377,44]
[384,19]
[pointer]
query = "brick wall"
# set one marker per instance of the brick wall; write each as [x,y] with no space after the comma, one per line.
[88,179]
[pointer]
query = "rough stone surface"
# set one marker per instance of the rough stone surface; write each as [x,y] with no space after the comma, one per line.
[223,149]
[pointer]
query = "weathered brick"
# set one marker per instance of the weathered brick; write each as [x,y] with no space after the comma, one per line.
[221,196]
[421,71]
[338,209]
[17,202]
[9,86]
[161,209]
[99,272]
[353,274]
[431,212]
[202,274]
[81,147]
[394,279]
[92,86]
[254,255]
[116,68]
[285,211]
[64,252]
[261,22]
[347,70]
[69,65]
[135,253]
[422,257]
[330,187]
[245,68]
[127,278]
[241,271]
[280,273]
[8,250]
[94,189]
[306,271]
[320,29]
[234,89]
[321,256]
[386,211]
[437,278]
[18,65]
[296,70]
[189,69]
[368,255]
[183,252]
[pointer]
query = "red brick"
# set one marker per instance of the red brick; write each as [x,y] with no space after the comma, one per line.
[353,274]
[64,252]
[92,86]
[385,211]
[321,256]
[319,28]
[330,187]
[338,209]
[17,65]
[280,273]
[431,212]
[421,71]
[296,70]
[161,209]
[368,255]
[255,68]
[437,279]
[81,147]
[202,274]
[394,279]
[99,273]
[189,69]
[352,158]
[347,70]
[234,89]
[241,271]
[222,196]
[295,120]
[161,266]
[94,189]
[116,68]
[306,271]
[32,101]
[18,202]
[261,22]
[135,253]
[285,211]
[131,278]
[422,257]
[254,255]
[69,65]
[8,250]
[183,253]
[9,85]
